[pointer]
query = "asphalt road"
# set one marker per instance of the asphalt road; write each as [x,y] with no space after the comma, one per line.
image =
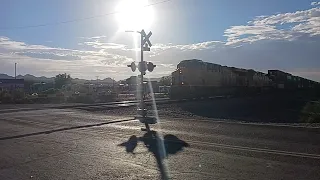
[74,144]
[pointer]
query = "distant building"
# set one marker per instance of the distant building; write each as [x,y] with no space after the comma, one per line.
[11,84]
[41,86]
[133,82]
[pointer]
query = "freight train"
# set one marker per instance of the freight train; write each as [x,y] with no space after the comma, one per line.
[195,78]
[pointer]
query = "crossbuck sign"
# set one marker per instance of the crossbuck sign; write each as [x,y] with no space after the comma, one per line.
[145,41]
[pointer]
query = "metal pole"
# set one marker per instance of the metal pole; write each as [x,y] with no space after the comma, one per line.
[113,84]
[141,78]
[15,77]
[15,70]
[142,86]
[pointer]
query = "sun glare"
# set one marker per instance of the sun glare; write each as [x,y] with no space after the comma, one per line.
[134,15]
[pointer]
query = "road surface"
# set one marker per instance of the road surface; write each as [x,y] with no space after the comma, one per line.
[75,144]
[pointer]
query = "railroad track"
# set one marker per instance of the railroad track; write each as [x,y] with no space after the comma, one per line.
[111,105]
[147,102]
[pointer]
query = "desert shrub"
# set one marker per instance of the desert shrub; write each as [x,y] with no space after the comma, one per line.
[311,112]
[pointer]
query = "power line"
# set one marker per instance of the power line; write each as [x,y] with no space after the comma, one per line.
[75,20]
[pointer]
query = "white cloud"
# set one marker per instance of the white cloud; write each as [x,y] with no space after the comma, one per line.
[252,33]
[42,60]
[312,26]
[282,26]
[315,3]
[283,18]
[101,45]
[7,44]
[93,38]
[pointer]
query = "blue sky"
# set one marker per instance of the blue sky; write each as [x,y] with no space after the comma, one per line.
[213,30]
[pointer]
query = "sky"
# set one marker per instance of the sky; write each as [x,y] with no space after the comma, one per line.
[87,38]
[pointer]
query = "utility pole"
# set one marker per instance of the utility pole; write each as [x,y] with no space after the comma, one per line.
[113,85]
[15,70]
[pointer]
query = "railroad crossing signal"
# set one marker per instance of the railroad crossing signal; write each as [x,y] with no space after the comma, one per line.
[150,66]
[145,41]
[142,66]
[132,66]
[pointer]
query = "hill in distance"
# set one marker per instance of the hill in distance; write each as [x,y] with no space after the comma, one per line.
[29,77]
[103,81]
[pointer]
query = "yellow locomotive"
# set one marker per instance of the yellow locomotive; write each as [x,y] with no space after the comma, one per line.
[195,78]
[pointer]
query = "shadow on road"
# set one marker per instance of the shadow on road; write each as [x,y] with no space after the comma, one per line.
[159,147]
[62,129]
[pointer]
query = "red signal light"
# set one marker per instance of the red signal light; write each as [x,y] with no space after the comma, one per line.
[150,66]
